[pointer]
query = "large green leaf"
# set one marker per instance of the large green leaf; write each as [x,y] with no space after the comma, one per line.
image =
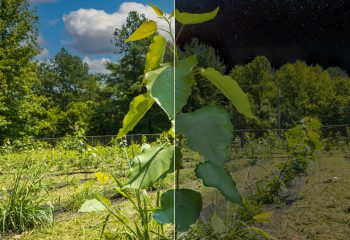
[146,29]
[183,81]
[219,178]
[231,90]
[92,205]
[209,131]
[138,108]
[157,10]
[160,83]
[155,53]
[188,205]
[218,224]
[193,18]
[152,164]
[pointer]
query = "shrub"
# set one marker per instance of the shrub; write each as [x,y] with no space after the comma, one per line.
[22,205]
[23,144]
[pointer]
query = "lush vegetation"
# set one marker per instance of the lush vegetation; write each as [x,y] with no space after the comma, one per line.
[49,98]
[219,185]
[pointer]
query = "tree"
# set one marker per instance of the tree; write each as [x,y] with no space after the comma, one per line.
[297,89]
[341,81]
[307,91]
[256,79]
[66,79]
[20,107]
[72,91]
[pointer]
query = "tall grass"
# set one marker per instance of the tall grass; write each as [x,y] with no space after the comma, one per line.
[22,204]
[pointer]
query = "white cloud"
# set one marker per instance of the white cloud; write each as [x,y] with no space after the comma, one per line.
[44,53]
[42,1]
[92,30]
[97,65]
[40,40]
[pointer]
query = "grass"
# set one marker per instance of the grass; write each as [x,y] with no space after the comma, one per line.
[69,184]
[315,206]
[22,204]
[321,212]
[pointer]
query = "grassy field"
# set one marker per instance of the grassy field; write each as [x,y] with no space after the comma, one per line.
[314,206]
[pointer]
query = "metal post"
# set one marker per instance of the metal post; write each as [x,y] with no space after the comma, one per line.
[279,113]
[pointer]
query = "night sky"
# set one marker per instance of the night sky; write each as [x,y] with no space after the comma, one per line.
[316,31]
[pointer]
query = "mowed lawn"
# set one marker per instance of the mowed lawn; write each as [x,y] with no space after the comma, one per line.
[323,209]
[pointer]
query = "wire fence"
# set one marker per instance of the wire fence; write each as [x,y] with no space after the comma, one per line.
[338,132]
[104,140]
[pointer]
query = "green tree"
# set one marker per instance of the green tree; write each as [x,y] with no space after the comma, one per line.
[342,104]
[66,79]
[307,91]
[20,107]
[72,91]
[256,79]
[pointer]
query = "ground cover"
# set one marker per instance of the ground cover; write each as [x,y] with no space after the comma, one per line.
[314,206]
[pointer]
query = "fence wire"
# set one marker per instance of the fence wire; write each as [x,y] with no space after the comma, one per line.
[340,132]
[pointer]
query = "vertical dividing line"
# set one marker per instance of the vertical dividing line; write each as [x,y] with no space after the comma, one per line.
[174,60]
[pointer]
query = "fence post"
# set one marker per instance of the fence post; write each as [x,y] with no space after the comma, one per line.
[242,138]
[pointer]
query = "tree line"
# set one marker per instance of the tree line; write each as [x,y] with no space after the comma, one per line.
[54,97]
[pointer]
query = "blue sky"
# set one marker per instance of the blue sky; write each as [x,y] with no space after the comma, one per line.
[85,27]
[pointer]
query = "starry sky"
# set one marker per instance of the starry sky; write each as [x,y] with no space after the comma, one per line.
[316,31]
[85,27]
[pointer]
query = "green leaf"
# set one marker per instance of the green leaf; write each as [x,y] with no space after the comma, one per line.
[183,81]
[188,206]
[192,18]
[264,217]
[208,131]
[155,53]
[151,165]
[160,83]
[261,232]
[219,178]
[157,10]
[230,89]
[103,200]
[102,177]
[121,192]
[145,30]
[218,224]
[110,236]
[138,108]
[92,205]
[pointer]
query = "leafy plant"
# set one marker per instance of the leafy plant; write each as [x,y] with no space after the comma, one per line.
[207,130]
[303,141]
[141,227]
[22,204]
[77,141]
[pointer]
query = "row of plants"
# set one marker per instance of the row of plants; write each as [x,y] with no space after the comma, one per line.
[303,142]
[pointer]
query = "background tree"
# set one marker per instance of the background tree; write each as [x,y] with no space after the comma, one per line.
[256,79]
[72,91]
[19,105]
[307,91]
